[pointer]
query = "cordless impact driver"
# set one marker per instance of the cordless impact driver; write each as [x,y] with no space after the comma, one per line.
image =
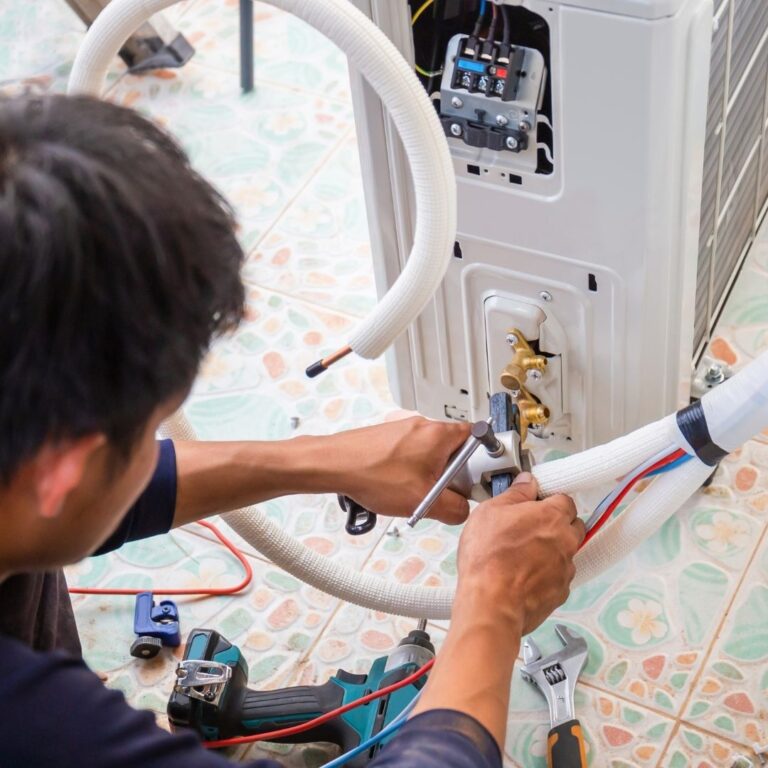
[211,696]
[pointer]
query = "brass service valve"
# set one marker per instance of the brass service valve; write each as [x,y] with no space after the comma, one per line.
[514,376]
[524,359]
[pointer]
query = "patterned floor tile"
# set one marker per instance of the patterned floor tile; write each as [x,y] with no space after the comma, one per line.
[36,39]
[287,52]
[693,748]
[319,249]
[618,734]
[38,44]
[273,621]
[258,149]
[731,697]
[269,353]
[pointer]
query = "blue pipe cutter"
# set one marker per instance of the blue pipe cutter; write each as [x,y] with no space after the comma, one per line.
[155,625]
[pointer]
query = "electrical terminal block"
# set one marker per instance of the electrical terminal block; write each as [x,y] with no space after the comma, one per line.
[490,92]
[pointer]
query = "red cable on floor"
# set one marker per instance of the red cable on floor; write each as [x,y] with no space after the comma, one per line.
[626,489]
[212,591]
[294,729]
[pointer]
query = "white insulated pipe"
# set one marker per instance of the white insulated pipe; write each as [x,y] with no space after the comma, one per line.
[734,411]
[372,53]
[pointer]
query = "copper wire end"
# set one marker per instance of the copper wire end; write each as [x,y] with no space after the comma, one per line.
[322,365]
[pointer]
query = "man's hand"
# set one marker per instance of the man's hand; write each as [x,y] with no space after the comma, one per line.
[390,467]
[516,553]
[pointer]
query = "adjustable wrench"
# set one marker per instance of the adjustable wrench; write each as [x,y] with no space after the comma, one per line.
[555,676]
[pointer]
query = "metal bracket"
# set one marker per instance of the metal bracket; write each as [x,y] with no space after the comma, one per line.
[202,680]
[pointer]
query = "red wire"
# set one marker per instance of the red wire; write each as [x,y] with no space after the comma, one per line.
[211,591]
[294,729]
[626,489]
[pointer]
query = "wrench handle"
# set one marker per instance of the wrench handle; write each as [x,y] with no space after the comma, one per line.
[359,519]
[565,746]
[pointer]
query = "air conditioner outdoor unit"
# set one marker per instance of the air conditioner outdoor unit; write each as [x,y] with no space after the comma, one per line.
[580,132]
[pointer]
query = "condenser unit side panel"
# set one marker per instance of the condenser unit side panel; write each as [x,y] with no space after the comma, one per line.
[735,185]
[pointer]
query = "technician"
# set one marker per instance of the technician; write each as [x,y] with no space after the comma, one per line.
[118,265]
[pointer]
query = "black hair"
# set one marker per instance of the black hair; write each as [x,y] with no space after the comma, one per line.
[118,265]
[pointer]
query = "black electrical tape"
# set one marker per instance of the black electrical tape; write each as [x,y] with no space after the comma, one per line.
[693,424]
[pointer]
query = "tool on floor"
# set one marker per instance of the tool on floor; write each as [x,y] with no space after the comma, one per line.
[211,696]
[555,676]
[155,625]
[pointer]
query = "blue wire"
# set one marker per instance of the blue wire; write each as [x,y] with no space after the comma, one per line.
[673,465]
[395,725]
[482,7]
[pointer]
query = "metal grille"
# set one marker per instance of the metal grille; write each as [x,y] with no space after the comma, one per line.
[735,182]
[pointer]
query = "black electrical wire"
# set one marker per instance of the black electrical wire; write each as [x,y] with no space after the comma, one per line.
[507,25]
[494,23]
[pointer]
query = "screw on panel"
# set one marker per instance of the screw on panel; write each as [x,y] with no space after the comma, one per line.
[714,374]
[457,102]
[545,296]
[511,339]
[501,120]
[524,126]
[455,129]
[534,375]
[512,142]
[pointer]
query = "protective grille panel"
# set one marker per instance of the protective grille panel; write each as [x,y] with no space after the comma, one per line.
[735,182]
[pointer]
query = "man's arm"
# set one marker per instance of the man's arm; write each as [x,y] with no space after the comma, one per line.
[515,567]
[387,468]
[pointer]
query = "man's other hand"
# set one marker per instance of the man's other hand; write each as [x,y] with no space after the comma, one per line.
[389,468]
[516,554]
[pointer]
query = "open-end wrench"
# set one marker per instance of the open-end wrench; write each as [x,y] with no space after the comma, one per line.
[555,676]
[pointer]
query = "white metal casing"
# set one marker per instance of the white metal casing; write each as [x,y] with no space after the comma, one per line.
[629,95]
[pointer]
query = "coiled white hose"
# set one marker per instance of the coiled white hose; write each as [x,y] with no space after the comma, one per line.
[374,55]
[735,411]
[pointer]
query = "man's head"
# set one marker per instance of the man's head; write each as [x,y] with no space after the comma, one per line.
[118,264]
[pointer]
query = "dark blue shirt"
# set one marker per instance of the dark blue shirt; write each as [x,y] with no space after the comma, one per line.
[55,713]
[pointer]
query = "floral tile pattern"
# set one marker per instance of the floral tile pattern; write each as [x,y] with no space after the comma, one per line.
[731,697]
[678,668]
[259,149]
[617,733]
[693,748]
[319,250]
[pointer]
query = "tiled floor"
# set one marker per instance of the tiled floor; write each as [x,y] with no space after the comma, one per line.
[678,671]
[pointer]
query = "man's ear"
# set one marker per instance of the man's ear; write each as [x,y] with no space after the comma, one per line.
[59,469]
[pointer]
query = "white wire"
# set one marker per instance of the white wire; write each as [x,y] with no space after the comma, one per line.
[547,153]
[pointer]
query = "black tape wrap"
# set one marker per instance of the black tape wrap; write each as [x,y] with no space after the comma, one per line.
[693,424]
